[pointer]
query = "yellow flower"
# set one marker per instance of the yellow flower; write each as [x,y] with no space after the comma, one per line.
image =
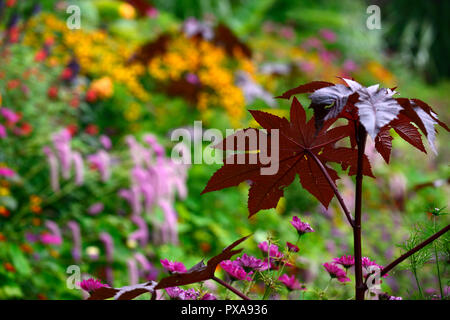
[127,11]
[4,192]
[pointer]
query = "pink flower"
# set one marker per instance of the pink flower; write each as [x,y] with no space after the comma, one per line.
[91,285]
[349,66]
[274,252]
[312,43]
[48,238]
[6,172]
[152,12]
[292,247]
[235,270]
[176,293]
[208,296]
[370,266]
[249,262]
[3,133]
[173,267]
[192,78]
[9,115]
[328,35]
[336,272]
[291,283]
[345,261]
[287,33]
[96,208]
[301,227]
[106,142]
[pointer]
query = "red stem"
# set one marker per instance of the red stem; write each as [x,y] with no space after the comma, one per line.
[361,136]
[333,186]
[232,289]
[414,250]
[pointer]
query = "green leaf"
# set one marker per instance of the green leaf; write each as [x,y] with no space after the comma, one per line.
[19,260]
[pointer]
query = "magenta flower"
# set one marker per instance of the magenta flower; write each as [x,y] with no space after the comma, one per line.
[370,266]
[208,296]
[9,115]
[291,283]
[328,35]
[106,142]
[6,172]
[3,133]
[349,66]
[173,267]
[292,247]
[91,285]
[301,227]
[336,272]
[273,252]
[249,262]
[48,238]
[96,208]
[235,270]
[176,293]
[345,261]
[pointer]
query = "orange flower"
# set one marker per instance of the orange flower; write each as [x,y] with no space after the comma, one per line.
[26,248]
[103,87]
[2,237]
[9,267]
[4,212]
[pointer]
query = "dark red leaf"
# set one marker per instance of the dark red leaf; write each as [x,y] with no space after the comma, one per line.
[383,143]
[305,88]
[408,132]
[298,139]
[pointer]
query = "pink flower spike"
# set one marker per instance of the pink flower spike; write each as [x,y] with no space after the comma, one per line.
[90,285]
[3,133]
[96,208]
[106,142]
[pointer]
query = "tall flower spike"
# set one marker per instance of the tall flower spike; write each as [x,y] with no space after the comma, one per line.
[76,236]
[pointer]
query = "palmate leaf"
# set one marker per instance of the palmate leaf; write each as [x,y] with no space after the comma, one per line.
[376,109]
[298,142]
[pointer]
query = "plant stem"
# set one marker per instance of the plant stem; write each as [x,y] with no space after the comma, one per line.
[333,186]
[414,250]
[232,289]
[361,136]
[437,260]
[414,271]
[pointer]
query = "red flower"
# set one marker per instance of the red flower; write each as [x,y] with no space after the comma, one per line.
[10,3]
[91,96]
[72,128]
[26,129]
[91,129]
[66,74]
[53,92]
[41,55]
[12,84]
[75,102]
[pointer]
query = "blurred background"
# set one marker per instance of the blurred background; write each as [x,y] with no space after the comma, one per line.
[86,116]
